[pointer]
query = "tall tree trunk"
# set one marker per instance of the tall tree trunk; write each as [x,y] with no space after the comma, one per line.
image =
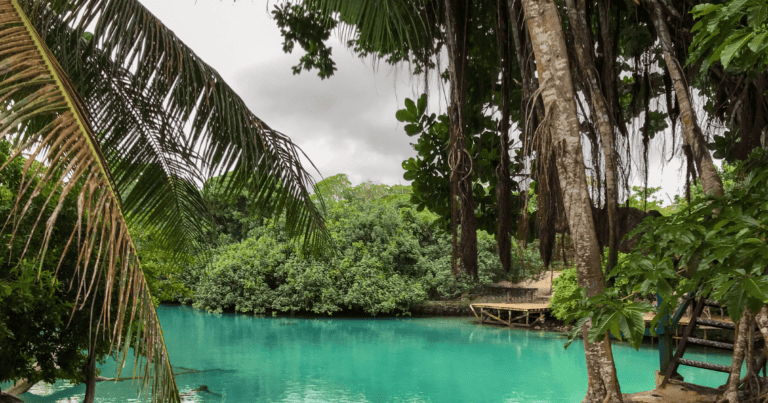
[504,187]
[456,15]
[562,124]
[601,113]
[692,134]
[90,375]
[731,393]
[762,323]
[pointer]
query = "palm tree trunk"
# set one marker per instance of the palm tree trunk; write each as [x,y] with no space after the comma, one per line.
[458,157]
[692,134]
[562,123]
[601,113]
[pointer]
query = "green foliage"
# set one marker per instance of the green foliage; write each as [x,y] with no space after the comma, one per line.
[733,33]
[727,173]
[373,271]
[717,250]
[645,199]
[390,258]
[564,288]
[310,29]
[430,171]
[720,244]
[162,269]
[37,322]
[332,188]
[615,310]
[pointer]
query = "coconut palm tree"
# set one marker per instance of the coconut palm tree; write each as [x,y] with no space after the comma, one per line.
[129,121]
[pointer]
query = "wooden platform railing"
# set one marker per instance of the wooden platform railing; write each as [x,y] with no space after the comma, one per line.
[516,314]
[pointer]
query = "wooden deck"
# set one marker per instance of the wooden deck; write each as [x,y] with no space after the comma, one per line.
[685,320]
[484,312]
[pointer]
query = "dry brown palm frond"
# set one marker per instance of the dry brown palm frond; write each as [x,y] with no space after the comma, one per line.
[42,113]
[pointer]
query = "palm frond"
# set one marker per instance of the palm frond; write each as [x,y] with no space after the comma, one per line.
[41,112]
[224,133]
[156,173]
[389,26]
[382,24]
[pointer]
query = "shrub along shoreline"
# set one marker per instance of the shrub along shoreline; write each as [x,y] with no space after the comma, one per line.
[390,260]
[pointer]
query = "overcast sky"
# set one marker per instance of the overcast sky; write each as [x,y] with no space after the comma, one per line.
[345,124]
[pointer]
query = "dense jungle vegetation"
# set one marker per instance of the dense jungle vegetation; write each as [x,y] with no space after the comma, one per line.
[390,257]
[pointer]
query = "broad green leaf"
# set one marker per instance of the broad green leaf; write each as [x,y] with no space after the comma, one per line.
[616,328]
[757,15]
[749,220]
[720,224]
[575,331]
[411,107]
[759,42]
[733,7]
[412,129]
[404,116]
[625,328]
[735,299]
[704,9]
[605,322]
[636,325]
[422,104]
[756,287]
[736,43]
[715,56]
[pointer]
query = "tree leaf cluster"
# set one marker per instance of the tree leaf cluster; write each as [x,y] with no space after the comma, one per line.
[733,33]
[429,170]
[716,250]
[391,257]
[43,337]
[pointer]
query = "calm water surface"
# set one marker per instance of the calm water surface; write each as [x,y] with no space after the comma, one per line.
[245,359]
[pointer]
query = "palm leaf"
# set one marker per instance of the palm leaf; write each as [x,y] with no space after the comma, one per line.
[386,27]
[224,133]
[42,113]
[382,24]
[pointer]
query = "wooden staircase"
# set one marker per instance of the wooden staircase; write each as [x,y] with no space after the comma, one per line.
[689,339]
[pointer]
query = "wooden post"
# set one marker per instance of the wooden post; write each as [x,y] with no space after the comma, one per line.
[472,307]
[665,340]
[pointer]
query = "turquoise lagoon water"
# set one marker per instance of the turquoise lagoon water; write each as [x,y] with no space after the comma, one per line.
[251,359]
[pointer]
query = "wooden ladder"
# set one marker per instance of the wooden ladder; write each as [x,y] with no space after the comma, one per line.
[687,339]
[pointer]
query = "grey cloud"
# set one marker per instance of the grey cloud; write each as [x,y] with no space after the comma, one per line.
[345,123]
